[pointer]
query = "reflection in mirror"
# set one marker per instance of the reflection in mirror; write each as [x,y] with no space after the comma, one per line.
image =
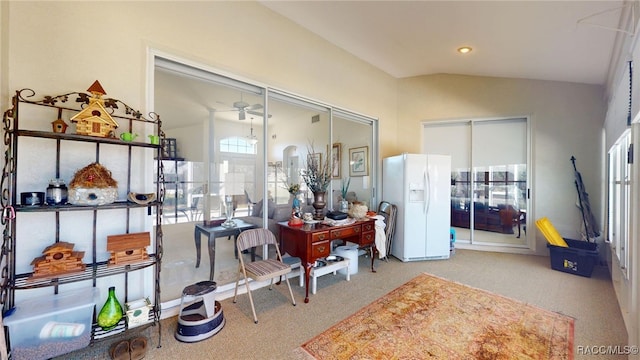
[221,165]
[215,121]
[298,127]
[353,142]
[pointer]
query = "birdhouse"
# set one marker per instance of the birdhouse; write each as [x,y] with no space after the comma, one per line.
[94,120]
[58,259]
[59,126]
[128,248]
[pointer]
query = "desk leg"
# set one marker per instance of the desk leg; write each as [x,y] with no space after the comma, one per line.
[235,245]
[212,254]
[196,237]
[374,252]
[307,273]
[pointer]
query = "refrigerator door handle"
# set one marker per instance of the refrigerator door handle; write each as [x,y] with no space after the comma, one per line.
[427,185]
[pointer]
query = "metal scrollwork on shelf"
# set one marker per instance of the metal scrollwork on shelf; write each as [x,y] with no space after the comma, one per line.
[25,95]
[5,203]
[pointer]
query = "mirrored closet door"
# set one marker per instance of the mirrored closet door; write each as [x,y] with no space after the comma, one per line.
[235,148]
[489,178]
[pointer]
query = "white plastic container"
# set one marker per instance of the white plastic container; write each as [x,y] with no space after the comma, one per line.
[50,326]
[348,252]
[138,312]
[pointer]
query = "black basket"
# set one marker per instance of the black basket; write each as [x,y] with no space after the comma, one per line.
[579,258]
[336,215]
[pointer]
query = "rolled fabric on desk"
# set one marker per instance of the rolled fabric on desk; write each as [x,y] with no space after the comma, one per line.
[381,238]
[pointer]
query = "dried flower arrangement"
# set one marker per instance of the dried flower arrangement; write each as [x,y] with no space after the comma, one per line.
[317,174]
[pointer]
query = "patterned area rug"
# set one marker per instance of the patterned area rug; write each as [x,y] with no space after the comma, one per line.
[433,318]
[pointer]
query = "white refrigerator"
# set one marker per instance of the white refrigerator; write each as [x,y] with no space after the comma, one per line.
[420,186]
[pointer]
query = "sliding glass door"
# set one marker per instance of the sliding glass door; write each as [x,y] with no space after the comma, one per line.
[352,135]
[297,128]
[235,148]
[215,168]
[489,179]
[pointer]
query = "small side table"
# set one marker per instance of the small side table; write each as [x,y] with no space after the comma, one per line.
[215,232]
[323,270]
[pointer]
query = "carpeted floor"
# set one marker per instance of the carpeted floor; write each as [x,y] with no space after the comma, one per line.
[283,327]
[430,317]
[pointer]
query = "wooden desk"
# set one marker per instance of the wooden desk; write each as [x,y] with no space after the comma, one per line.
[313,241]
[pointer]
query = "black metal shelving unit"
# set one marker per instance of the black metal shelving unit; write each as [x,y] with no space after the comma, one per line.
[69,104]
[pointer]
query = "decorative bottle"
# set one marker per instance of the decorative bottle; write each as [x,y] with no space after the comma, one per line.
[111,312]
[56,192]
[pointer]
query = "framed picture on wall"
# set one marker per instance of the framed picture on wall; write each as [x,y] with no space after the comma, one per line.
[336,155]
[359,161]
[315,159]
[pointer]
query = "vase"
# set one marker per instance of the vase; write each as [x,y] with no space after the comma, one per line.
[319,204]
[344,206]
[295,205]
[111,312]
[228,212]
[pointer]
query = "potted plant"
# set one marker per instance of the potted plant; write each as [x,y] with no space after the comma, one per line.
[317,177]
[294,191]
[344,203]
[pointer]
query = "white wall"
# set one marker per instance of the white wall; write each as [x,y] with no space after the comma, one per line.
[85,41]
[627,288]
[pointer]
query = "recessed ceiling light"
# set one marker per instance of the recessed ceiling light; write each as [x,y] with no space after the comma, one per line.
[464,50]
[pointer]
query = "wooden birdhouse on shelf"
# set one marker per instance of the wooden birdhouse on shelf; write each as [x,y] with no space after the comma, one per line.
[58,259]
[59,126]
[94,120]
[128,248]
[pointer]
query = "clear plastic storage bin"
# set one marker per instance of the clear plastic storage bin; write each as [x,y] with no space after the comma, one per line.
[51,325]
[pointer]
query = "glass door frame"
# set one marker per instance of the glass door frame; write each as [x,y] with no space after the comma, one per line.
[529,239]
[155,56]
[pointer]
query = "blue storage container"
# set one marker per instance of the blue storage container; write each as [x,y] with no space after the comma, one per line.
[579,258]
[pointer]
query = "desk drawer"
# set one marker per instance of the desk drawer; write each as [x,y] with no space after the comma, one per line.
[345,232]
[368,226]
[319,236]
[368,238]
[320,249]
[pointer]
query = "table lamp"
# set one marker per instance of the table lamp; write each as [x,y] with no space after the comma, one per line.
[233,185]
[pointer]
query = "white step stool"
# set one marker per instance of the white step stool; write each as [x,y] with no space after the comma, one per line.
[332,266]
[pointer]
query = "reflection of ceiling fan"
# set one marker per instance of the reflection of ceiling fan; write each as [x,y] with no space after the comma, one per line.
[243,108]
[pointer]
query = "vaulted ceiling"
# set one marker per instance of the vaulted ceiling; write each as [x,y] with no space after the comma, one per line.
[570,40]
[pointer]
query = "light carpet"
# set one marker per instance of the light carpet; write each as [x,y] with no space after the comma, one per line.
[433,318]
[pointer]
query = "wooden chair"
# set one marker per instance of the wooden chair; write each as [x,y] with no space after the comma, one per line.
[266,269]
